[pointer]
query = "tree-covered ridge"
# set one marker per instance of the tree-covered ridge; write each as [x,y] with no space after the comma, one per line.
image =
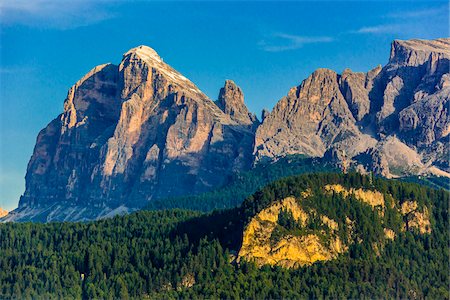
[333,214]
[241,185]
[185,254]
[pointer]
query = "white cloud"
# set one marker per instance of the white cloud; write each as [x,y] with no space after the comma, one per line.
[15,70]
[284,42]
[53,13]
[419,13]
[388,28]
[405,21]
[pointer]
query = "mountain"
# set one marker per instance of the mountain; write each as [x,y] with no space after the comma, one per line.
[309,236]
[392,120]
[131,133]
[3,212]
[312,119]
[141,132]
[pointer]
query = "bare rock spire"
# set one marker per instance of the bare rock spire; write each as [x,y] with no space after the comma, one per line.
[231,102]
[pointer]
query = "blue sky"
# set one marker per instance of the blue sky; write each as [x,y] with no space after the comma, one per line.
[265,47]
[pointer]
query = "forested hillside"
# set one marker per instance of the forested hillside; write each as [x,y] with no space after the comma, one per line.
[240,185]
[186,254]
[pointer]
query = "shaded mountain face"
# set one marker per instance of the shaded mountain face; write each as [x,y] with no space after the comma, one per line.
[312,119]
[392,120]
[141,131]
[132,133]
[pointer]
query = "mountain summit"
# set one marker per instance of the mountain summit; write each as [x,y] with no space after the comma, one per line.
[129,134]
[139,131]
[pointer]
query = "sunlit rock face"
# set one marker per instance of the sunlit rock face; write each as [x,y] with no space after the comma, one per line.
[268,240]
[132,133]
[392,120]
[312,119]
[288,250]
[3,212]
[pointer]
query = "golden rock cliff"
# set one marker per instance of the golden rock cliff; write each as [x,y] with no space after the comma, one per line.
[266,242]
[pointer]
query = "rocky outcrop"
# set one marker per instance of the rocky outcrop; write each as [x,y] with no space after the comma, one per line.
[290,250]
[392,120]
[132,133]
[268,239]
[231,102]
[415,219]
[372,198]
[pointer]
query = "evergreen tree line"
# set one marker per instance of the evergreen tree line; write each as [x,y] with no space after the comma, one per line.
[241,185]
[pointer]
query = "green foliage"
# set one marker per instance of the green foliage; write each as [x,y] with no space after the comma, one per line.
[286,219]
[437,182]
[149,254]
[243,184]
[287,225]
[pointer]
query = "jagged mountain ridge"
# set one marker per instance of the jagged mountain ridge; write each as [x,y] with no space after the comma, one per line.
[141,131]
[355,118]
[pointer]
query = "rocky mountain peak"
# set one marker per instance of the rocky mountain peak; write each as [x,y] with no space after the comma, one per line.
[231,102]
[146,53]
[130,134]
[359,114]
[143,64]
[312,119]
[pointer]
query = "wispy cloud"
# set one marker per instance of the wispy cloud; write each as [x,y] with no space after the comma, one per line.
[15,70]
[427,12]
[387,28]
[54,13]
[404,21]
[283,42]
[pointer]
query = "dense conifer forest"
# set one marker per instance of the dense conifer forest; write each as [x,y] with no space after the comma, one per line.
[188,254]
[241,185]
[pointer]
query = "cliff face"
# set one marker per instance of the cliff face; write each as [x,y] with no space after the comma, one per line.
[357,117]
[132,133]
[312,119]
[289,250]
